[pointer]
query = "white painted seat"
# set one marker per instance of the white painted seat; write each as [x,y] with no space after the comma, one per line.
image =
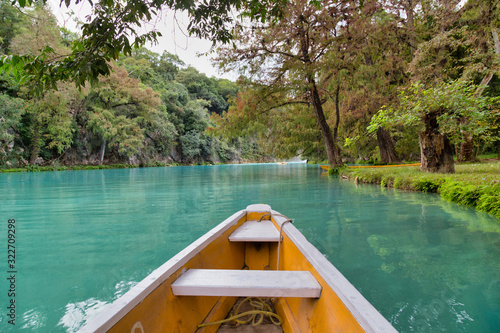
[246,283]
[254,231]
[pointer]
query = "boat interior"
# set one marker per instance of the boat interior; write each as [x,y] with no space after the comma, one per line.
[255,261]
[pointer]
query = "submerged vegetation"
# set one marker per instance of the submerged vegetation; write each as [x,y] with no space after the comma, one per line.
[475,184]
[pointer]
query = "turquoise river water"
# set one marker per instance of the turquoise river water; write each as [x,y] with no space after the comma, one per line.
[84,238]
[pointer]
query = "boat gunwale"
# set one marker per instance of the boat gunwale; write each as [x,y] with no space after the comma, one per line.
[124,304]
[370,319]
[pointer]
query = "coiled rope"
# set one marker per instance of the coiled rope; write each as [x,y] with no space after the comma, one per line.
[261,310]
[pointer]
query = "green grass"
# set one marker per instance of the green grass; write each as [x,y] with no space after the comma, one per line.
[476,184]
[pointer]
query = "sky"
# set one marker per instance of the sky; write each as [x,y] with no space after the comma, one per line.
[174,39]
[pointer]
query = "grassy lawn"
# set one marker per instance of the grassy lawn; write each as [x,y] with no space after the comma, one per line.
[476,185]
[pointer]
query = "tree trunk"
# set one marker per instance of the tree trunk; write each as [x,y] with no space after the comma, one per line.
[409,6]
[336,148]
[467,146]
[101,151]
[386,146]
[332,150]
[466,153]
[435,148]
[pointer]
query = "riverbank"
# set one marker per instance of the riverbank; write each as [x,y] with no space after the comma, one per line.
[476,185]
[38,168]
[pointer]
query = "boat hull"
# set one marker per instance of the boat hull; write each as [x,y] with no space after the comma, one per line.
[151,306]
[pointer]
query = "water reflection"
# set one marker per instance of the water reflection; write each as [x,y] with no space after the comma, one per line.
[76,314]
[426,264]
[34,319]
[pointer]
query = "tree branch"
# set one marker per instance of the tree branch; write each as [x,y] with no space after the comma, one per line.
[289,55]
[486,80]
[285,104]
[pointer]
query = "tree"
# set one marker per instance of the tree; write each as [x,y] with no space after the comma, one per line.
[193,142]
[437,112]
[120,111]
[120,120]
[200,86]
[168,65]
[375,58]
[49,123]
[119,130]
[111,29]
[151,68]
[463,46]
[290,63]
[9,22]
[35,31]
[282,132]
[226,88]
[484,17]
[11,110]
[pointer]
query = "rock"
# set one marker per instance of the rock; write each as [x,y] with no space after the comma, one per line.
[133,160]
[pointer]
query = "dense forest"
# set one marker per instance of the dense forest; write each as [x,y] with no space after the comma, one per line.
[152,109]
[336,80]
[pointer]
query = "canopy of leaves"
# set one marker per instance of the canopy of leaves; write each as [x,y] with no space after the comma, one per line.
[113,28]
[449,102]
[9,19]
[11,110]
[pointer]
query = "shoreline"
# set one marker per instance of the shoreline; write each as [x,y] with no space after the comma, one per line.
[48,168]
[476,185]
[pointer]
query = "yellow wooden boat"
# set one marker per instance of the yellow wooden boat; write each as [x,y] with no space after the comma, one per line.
[256,252]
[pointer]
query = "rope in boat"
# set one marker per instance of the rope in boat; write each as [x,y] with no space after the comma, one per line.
[261,309]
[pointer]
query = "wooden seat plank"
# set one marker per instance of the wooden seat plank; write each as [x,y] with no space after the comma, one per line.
[254,231]
[246,283]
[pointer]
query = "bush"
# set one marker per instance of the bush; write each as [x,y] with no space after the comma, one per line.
[403,183]
[427,185]
[335,170]
[459,193]
[387,181]
[489,201]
